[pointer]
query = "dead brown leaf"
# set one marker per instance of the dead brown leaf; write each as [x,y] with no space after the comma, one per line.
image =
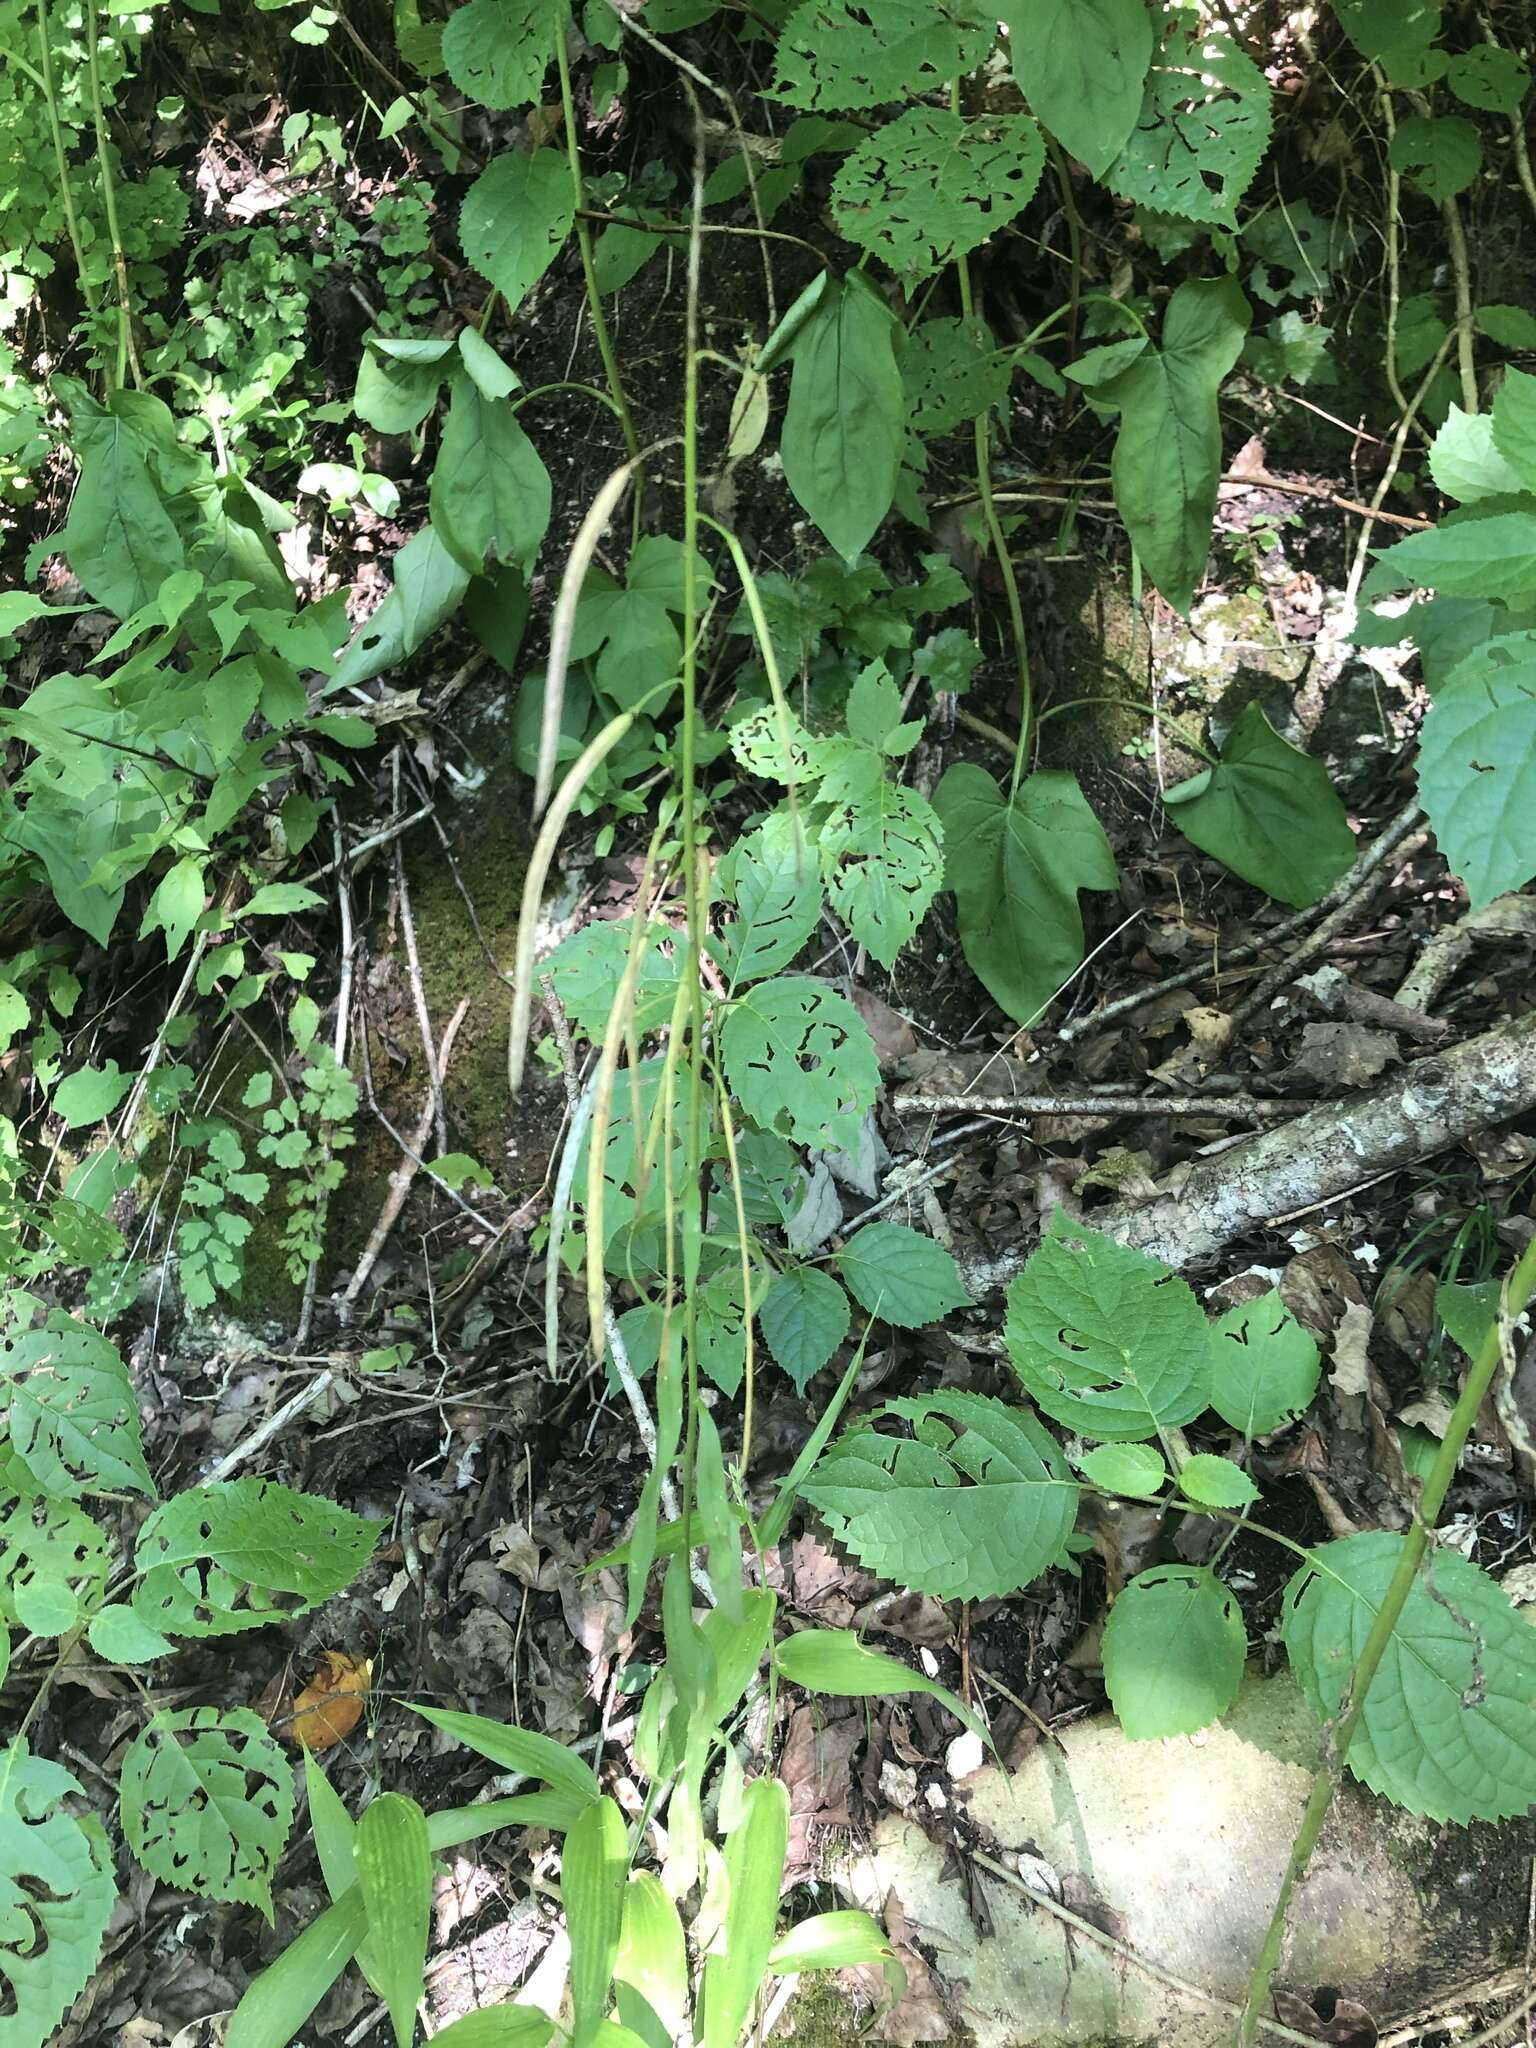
[1343,1055]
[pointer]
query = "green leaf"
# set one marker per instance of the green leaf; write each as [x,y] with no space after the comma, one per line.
[517,1749]
[969,1512]
[1107,1340]
[931,186]
[1471,557]
[804,1317]
[1388,28]
[1514,422]
[884,859]
[1441,154]
[770,874]
[839,1940]
[515,219]
[242,1553]
[73,1415]
[117,1635]
[497,51]
[952,371]
[754,1869]
[207,1802]
[1465,460]
[1509,326]
[834,1661]
[176,905]
[1202,131]
[89,1094]
[490,490]
[394,1871]
[280,899]
[499,2026]
[428,587]
[801,1062]
[1134,1469]
[835,54]
[57,1892]
[1268,812]
[1216,1482]
[120,540]
[1468,1311]
[1266,1366]
[46,1607]
[901,1276]
[1174,1646]
[1447,1728]
[651,1972]
[587,967]
[1477,766]
[845,423]
[1167,460]
[492,377]
[1082,65]
[593,1873]
[45,1541]
[1489,77]
[1016,867]
[278,2002]
[398,382]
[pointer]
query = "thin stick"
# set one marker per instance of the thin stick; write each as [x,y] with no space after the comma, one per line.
[1254,1107]
[339,1048]
[418,989]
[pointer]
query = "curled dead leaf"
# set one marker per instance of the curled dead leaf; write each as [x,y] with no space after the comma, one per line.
[331,1705]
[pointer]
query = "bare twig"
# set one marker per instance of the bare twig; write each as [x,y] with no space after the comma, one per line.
[418,990]
[1254,1107]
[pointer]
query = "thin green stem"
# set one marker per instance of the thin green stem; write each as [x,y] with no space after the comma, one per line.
[127,352]
[522,398]
[60,157]
[1074,235]
[1338,1739]
[1131,704]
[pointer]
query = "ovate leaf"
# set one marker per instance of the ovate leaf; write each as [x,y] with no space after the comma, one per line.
[844,425]
[1465,460]
[120,539]
[497,51]
[57,1891]
[89,1094]
[1174,1646]
[884,860]
[1477,766]
[836,54]
[1082,65]
[771,876]
[1489,77]
[587,967]
[207,1802]
[1269,812]
[1202,131]
[953,370]
[1466,557]
[515,218]
[429,585]
[73,1414]
[1448,1728]
[901,1276]
[931,185]
[1441,154]
[804,1317]
[1266,1365]
[490,490]
[1514,422]
[1216,1482]
[801,1062]
[398,381]
[976,1503]
[46,1542]
[1134,1469]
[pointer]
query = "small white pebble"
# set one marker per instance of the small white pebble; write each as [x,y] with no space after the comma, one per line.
[964,1755]
[936,1798]
[929,1662]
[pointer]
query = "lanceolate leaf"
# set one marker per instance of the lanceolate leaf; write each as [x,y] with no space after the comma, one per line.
[800,1060]
[593,1873]
[1016,868]
[207,1800]
[394,1869]
[1174,1646]
[1448,1729]
[842,437]
[930,186]
[1203,127]
[974,1505]
[490,489]
[515,217]
[429,585]
[1167,459]
[754,1869]
[56,1896]
[1477,766]
[1082,65]
[1269,812]
[835,54]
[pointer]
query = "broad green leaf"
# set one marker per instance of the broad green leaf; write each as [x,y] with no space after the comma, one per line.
[1468,1311]
[117,1635]
[1388,28]
[754,1869]
[176,905]
[1465,460]
[1082,65]
[497,51]
[846,420]
[1216,1482]
[1268,812]
[57,1891]
[515,219]
[1107,1340]
[901,1275]
[1509,326]
[278,2002]
[771,876]
[242,1553]
[1016,867]
[46,1541]
[46,1607]
[1167,460]
[974,1505]
[1441,154]
[594,1871]
[428,587]
[1447,1729]
[1266,1366]
[840,1940]
[207,1802]
[801,1062]
[1134,1469]
[884,860]
[953,371]
[834,1661]
[1202,131]
[491,375]
[931,185]
[1477,766]
[89,1094]
[587,967]
[1514,423]
[1174,1646]
[397,384]
[804,1317]
[517,1749]
[280,899]
[490,490]
[499,2026]
[73,1414]
[834,54]
[1471,557]
[651,1973]
[1489,77]
[120,540]
[394,1873]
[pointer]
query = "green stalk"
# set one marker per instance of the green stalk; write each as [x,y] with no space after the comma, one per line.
[55,129]
[1337,1740]
[127,353]
[1133,704]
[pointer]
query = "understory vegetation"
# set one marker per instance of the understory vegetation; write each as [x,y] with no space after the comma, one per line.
[578,579]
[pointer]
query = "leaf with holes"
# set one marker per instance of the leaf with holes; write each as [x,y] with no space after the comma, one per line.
[57,1891]
[45,1542]
[884,861]
[1107,1340]
[1448,1729]
[801,1062]
[838,54]
[770,875]
[1203,128]
[1440,154]
[1268,812]
[953,371]
[1490,78]
[490,490]
[1174,1646]
[586,969]
[804,1317]
[243,1553]
[497,51]
[1082,65]
[1477,766]
[207,1802]
[515,219]
[931,185]
[976,1503]
[722,1329]
[901,1276]
[845,424]
[73,1416]
[1266,1365]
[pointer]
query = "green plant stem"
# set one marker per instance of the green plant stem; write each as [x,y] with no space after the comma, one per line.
[1074,236]
[1337,1739]
[1132,704]
[61,159]
[127,352]
[521,398]
[1461,271]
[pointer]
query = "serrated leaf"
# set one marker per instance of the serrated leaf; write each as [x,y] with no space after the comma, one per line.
[1174,1646]
[804,1317]
[1082,65]
[490,489]
[1133,1469]
[1448,1728]
[800,1061]
[47,1541]
[1265,1368]
[969,1513]
[953,371]
[73,1414]
[771,876]
[1107,1340]
[242,1553]
[1489,77]
[1202,131]
[1268,812]
[901,1276]
[57,1892]
[587,967]
[1477,766]
[118,1635]
[1216,1482]
[1465,460]
[834,54]
[932,185]
[1016,866]
[89,1094]
[845,423]
[1441,154]
[394,1870]
[1514,421]
[515,218]
[207,1802]
[884,861]
[46,1607]
[497,51]
[1471,557]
